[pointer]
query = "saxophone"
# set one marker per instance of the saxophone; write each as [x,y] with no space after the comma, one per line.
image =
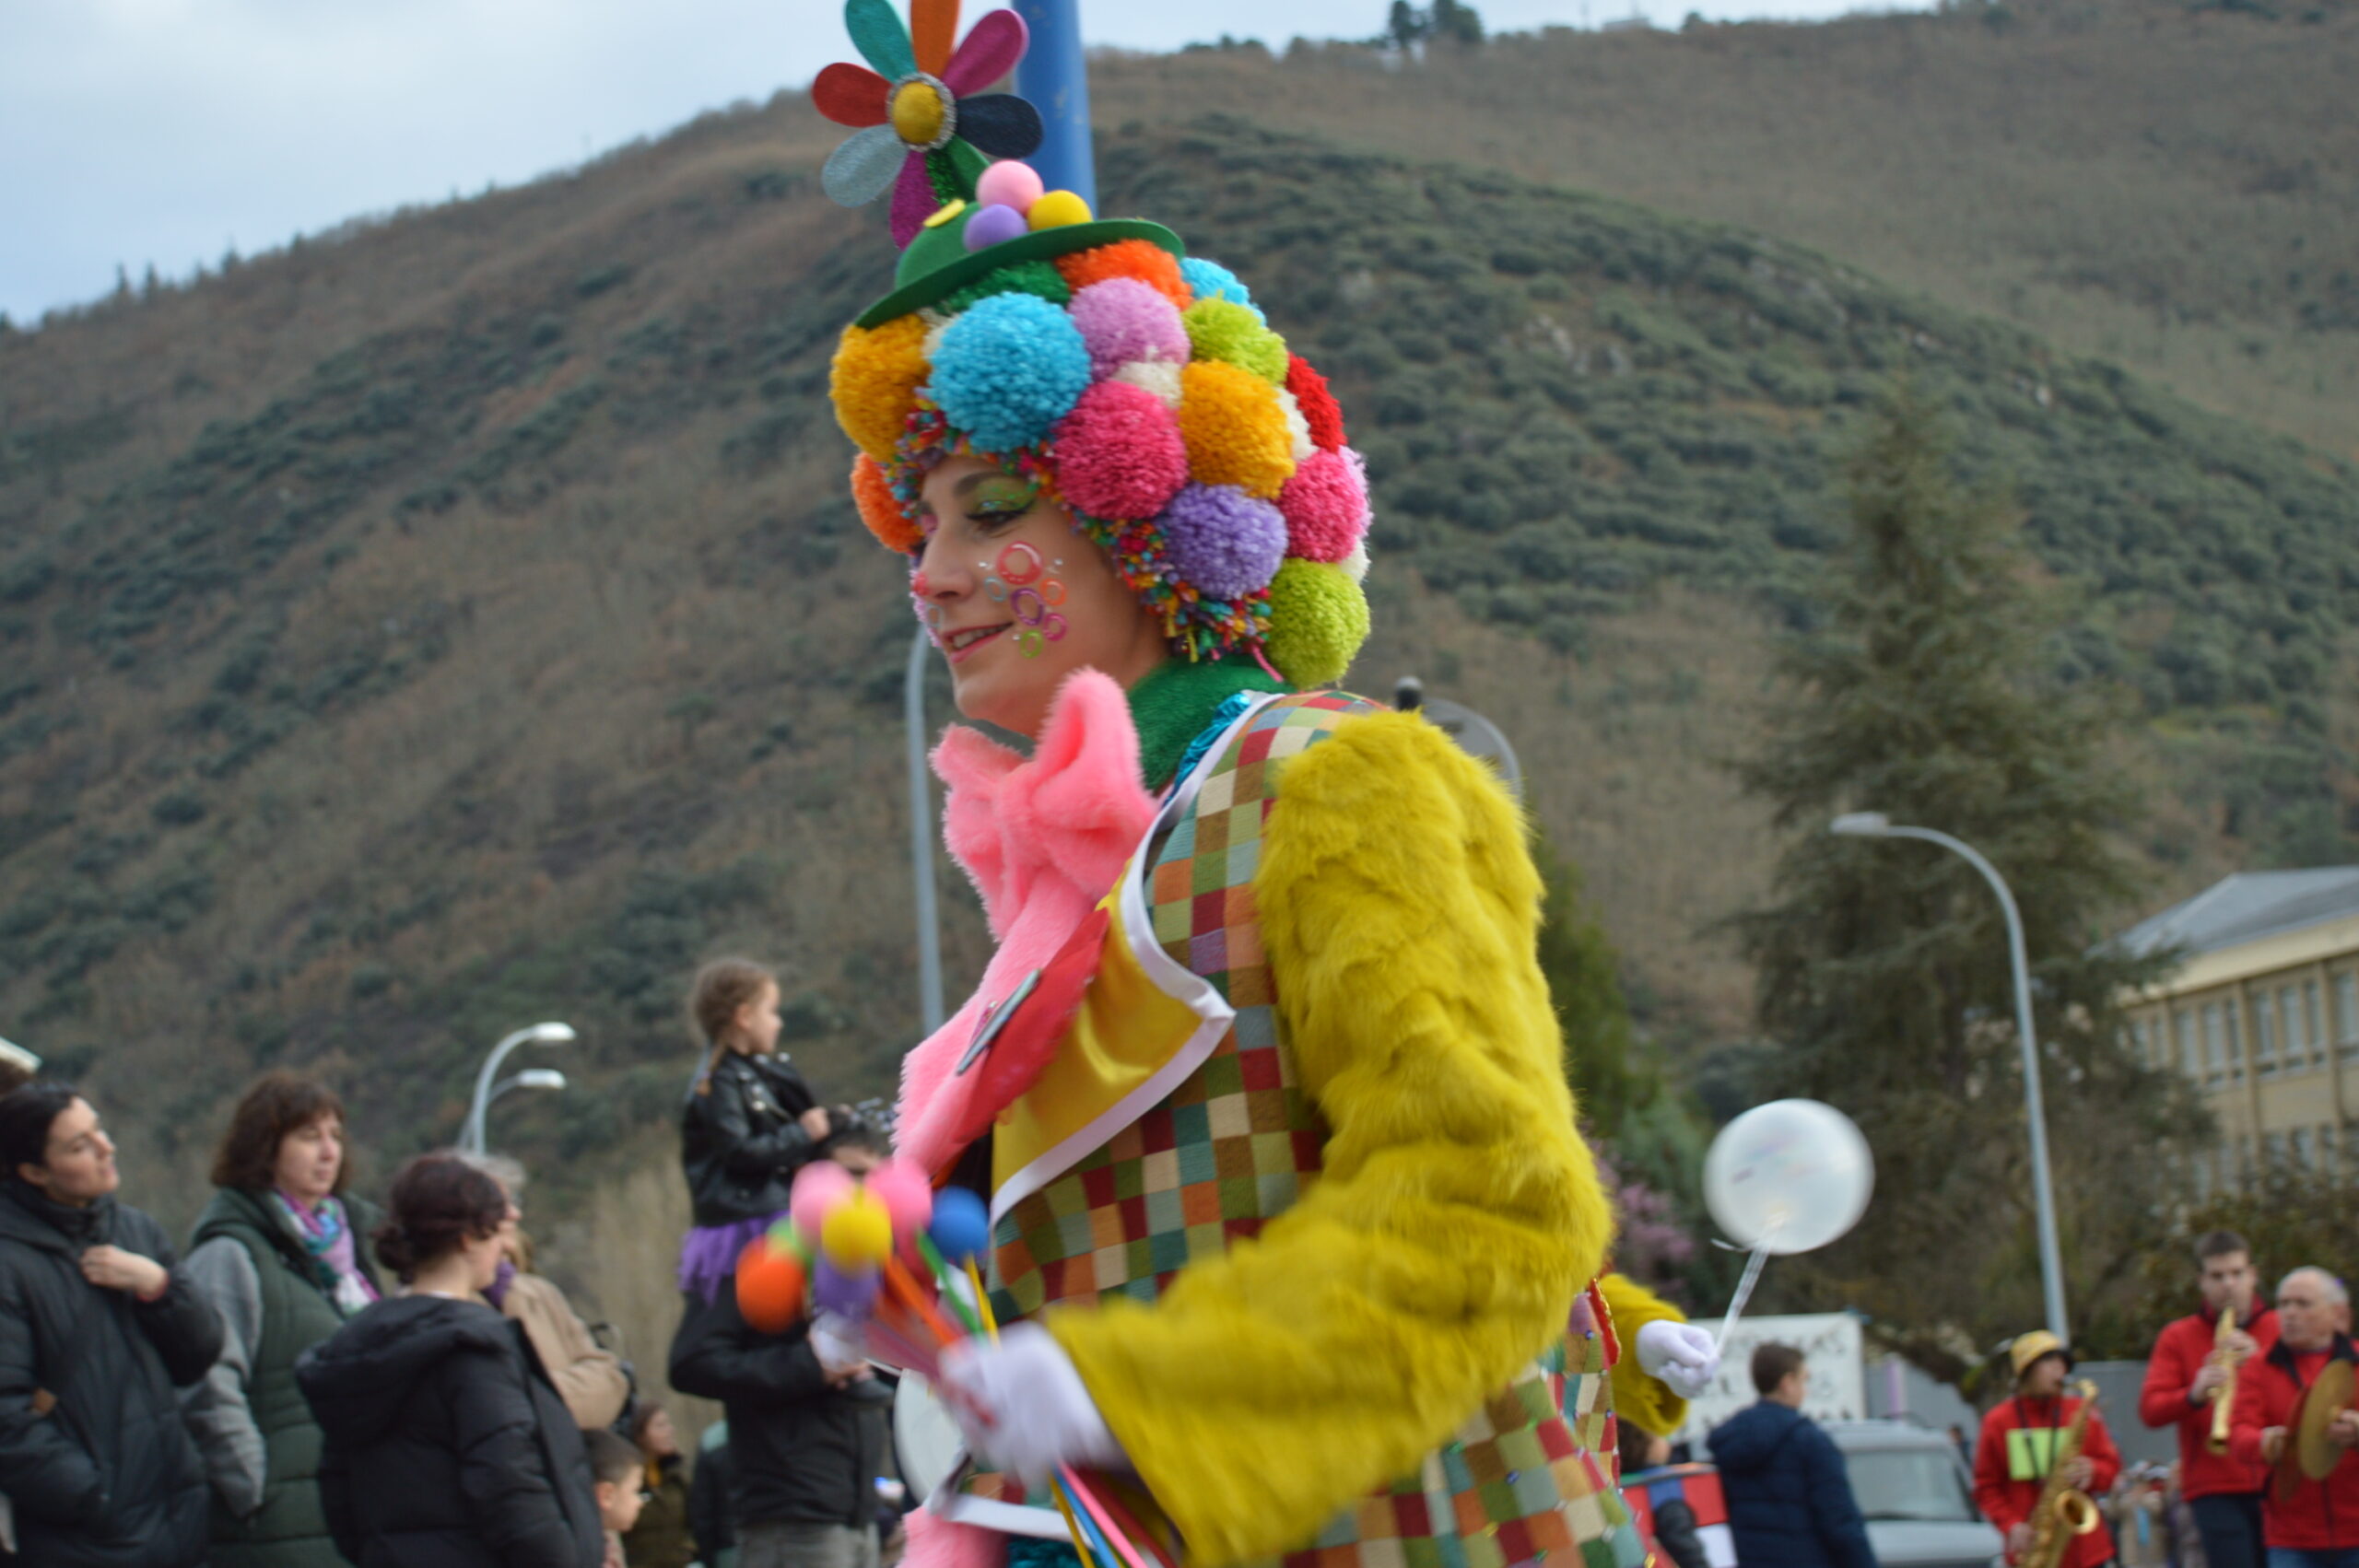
[2223,1398]
[2064,1511]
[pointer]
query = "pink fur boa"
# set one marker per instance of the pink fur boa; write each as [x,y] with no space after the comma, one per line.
[1042,839]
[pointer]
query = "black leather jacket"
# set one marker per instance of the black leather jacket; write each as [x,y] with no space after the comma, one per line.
[740,1140]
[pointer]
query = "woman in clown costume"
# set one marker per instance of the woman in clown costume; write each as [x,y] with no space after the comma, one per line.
[1262,1086]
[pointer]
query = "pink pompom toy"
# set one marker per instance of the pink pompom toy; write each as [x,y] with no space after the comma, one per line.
[906,1195]
[1009,185]
[819,1187]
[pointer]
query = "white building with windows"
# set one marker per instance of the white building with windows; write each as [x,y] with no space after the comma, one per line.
[2263,1013]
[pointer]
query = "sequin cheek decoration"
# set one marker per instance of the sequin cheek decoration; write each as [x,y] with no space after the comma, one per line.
[1031,594]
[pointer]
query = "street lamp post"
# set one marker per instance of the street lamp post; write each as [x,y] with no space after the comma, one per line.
[531,1078]
[471,1139]
[1876,825]
[922,834]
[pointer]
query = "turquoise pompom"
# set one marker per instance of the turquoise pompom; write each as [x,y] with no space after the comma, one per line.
[1008,368]
[1209,280]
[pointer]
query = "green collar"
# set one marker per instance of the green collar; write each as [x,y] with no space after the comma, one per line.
[1176,700]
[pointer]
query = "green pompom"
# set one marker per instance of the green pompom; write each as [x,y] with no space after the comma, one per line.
[1224,330]
[1018,278]
[1318,620]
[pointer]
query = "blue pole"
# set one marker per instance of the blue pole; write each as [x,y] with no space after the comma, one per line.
[1055,78]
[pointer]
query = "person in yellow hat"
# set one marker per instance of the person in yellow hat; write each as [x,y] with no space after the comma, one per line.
[2018,1447]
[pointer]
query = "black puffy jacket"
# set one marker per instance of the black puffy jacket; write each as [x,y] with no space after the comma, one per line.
[447,1445]
[109,1478]
[1788,1492]
[799,1451]
[740,1140]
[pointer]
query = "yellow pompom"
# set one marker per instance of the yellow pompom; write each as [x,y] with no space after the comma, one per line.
[918,114]
[1235,428]
[1055,210]
[857,1234]
[873,381]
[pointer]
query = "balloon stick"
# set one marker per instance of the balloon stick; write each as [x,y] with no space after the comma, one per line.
[1745,1287]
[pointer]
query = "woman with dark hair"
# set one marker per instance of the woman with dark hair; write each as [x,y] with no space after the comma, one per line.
[447,1446]
[275,1253]
[97,1327]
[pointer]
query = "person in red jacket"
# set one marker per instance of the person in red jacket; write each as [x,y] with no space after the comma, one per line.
[2317,1525]
[2183,1383]
[2018,1449]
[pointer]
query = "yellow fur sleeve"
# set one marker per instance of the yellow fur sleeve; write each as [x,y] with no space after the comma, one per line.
[1459,1214]
[1645,1402]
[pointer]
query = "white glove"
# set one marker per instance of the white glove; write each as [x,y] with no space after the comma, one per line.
[1022,1407]
[1679,1355]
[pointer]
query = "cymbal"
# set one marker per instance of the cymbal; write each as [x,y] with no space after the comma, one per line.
[2327,1397]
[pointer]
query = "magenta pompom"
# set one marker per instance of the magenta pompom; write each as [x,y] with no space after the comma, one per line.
[1222,541]
[994,225]
[1326,505]
[818,1186]
[1120,455]
[1122,320]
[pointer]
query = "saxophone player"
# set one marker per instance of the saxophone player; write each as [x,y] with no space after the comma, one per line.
[2018,1451]
[2315,1524]
[2190,1384]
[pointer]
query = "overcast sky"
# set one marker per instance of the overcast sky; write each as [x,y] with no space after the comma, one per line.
[135,131]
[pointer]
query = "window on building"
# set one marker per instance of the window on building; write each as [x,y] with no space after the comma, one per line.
[2298,1146]
[2264,1034]
[2236,1041]
[2314,1022]
[2289,1019]
[2190,1060]
[2137,1047]
[2327,1151]
[2274,1149]
[2346,1013]
[2244,1157]
[2216,1045]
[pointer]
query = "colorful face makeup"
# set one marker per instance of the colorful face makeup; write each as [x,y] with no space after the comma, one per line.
[1023,582]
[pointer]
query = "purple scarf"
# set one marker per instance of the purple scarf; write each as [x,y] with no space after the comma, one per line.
[328,1236]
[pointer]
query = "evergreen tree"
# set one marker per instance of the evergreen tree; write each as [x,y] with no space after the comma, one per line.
[1459,23]
[1406,26]
[1581,968]
[1882,969]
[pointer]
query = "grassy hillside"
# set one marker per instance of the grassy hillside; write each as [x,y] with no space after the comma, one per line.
[2172,185]
[463,623]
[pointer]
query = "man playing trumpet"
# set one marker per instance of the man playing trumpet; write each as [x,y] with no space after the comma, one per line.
[2314,1523]
[2190,1384]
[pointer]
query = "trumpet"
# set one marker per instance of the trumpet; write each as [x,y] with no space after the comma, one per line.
[2223,1398]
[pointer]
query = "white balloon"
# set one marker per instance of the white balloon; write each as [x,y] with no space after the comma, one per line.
[1790,1175]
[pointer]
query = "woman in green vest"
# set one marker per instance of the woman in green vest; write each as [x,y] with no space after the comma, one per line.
[276,1253]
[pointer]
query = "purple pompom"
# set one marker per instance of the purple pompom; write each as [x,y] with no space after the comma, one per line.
[847,1295]
[1122,319]
[1222,541]
[992,226]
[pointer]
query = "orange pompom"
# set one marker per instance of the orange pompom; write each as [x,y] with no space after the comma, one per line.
[874,379]
[1235,428]
[1141,259]
[880,508]
[769,1286]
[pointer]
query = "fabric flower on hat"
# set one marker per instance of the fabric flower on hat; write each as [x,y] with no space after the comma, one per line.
[923,98]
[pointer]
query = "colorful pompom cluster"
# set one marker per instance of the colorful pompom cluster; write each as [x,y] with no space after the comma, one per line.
[846,1239]
[1150,395]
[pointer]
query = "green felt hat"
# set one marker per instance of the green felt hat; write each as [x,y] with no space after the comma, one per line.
[937,264]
